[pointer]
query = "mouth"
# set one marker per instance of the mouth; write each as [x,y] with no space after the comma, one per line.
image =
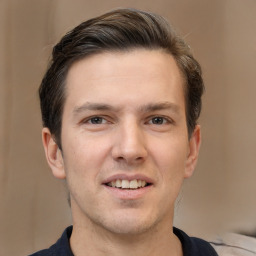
[128,185]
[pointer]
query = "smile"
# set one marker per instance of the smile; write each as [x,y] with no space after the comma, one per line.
[126,184]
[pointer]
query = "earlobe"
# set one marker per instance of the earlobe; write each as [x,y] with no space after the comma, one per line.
[53,154]
[193,152]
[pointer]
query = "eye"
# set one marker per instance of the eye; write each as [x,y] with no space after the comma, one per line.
[96,120]
[158,120]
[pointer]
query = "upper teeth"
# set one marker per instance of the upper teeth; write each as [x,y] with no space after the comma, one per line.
[127,184]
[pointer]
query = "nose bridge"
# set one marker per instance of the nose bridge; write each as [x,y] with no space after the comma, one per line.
[130,144]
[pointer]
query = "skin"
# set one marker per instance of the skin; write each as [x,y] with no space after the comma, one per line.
[124,115]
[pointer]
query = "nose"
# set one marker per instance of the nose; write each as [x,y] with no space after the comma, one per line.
[130,144]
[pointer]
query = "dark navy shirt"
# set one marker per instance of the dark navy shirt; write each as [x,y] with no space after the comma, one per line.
[191,246]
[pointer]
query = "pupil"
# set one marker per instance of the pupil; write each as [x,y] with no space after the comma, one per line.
[157,120]
[96,120]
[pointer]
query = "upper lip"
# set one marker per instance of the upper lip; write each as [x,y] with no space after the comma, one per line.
[127,177]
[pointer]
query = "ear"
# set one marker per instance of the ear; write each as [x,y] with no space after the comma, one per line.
[193,151]
[53,154]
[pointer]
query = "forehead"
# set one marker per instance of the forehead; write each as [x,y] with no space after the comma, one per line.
[130,77]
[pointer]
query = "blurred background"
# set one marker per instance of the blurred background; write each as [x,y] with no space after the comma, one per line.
[220,197]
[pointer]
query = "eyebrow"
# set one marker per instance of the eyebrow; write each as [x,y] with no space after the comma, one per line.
[92,106]
[151,107]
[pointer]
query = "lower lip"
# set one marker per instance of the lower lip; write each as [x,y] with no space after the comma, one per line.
[128,194]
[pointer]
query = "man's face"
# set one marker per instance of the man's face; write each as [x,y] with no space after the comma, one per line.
[124,125]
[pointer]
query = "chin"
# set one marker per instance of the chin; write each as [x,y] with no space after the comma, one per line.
[128,228]
[128,224]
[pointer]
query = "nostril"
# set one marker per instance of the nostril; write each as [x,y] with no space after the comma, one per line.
[129,160]
[120,158]
[129,150]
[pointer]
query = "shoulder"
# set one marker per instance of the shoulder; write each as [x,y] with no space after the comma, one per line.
[61,247]
[193,246]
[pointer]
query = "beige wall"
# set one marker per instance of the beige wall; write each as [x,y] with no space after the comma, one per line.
[220,196]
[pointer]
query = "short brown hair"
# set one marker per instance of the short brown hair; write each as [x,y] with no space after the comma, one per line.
[118,30]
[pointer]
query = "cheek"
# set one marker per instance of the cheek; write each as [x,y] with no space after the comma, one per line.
[81,170]
[170,157]
[84,155]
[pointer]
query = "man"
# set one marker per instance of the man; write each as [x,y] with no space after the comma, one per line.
[120,102]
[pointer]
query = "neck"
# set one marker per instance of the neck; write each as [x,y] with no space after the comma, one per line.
[92,240]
